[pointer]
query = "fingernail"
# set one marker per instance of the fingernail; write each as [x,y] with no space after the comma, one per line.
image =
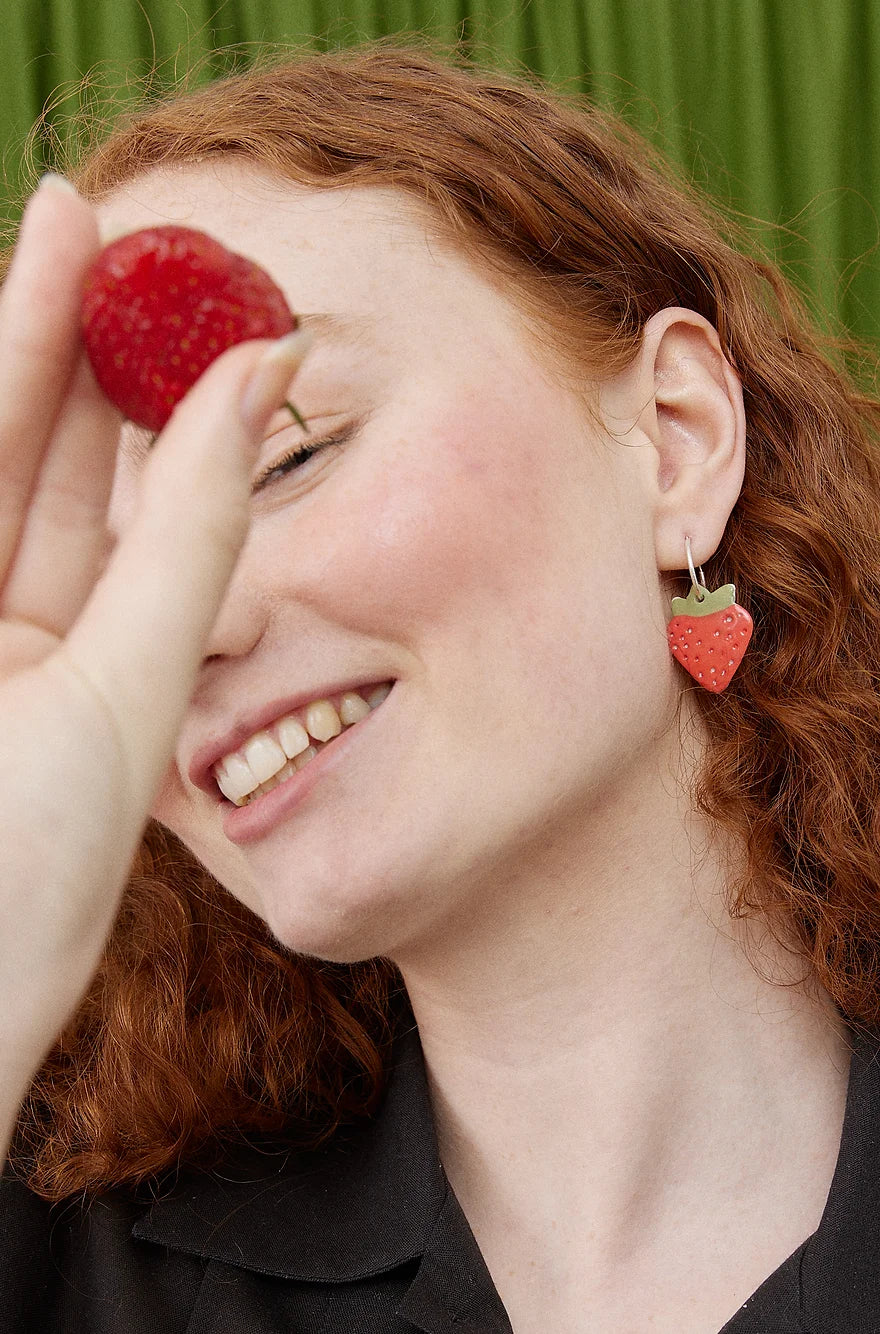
[113,232]
[269,383]
[52,180]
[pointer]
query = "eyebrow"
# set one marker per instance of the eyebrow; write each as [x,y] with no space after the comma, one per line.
[338,328]
[136,441]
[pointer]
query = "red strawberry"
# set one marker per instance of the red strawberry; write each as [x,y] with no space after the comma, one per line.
[159,305]
[709,637]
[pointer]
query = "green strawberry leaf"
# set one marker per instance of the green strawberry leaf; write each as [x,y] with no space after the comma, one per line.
[717,600]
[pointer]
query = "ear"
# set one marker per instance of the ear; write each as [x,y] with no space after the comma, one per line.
[692,414]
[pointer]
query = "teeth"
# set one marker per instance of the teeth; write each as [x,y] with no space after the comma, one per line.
[268,758]
[264,756]
[234,777]
[352,707]
[283,773]
[293,736]
[290,768]
[302,760]
[322,720]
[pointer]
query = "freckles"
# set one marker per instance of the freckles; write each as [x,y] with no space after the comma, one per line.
[416,545]
[456,505]
[410,529]
[456,536]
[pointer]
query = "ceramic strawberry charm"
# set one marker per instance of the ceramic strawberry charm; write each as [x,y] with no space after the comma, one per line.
[709,632]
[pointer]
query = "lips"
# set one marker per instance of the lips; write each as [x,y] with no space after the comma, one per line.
[206,756]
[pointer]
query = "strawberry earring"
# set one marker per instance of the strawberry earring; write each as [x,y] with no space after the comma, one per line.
[709,632]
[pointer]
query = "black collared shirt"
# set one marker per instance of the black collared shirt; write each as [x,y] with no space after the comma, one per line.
[366,1237]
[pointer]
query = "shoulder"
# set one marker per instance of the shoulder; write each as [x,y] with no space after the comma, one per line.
[72,1265]
[327,1239]
[25,1282]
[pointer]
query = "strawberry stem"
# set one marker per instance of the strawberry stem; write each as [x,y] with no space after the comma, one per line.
[297,417]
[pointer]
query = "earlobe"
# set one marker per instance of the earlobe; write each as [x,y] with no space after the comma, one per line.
[696,423]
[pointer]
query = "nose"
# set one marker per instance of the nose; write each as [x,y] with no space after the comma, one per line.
[241,621]
[239,624]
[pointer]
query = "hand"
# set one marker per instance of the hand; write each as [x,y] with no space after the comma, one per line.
[99,645]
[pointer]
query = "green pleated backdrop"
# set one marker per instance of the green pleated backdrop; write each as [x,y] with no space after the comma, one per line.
[773,105]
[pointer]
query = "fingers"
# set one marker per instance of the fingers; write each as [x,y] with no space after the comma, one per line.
[139,640]
[39,343]
[64,542]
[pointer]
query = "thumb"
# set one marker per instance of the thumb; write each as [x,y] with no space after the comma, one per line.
[140,637]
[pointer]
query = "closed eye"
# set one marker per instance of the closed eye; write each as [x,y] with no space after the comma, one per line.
[295,458]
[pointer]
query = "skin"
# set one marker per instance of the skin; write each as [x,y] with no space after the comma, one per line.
[518,834]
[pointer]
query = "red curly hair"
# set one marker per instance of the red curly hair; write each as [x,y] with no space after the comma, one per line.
[199,1028]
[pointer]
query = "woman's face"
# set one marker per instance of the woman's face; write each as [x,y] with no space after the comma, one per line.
[473,538]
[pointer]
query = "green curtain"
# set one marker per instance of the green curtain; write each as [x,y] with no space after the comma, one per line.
[773,105]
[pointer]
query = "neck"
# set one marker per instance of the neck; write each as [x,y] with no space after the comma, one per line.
[604,1044]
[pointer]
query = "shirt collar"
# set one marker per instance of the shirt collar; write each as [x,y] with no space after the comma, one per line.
[831,1283]
[376,1197]
[366,1203]
[840,1263]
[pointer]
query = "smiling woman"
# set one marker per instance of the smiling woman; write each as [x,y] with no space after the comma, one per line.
[474,968]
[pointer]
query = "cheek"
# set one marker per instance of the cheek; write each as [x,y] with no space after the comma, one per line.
[491,554]
[509,556]
[170,797]
[439,536]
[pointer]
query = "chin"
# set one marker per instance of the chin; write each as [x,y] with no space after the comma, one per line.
[337,927]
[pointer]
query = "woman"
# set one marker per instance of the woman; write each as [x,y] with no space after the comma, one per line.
[535,1003]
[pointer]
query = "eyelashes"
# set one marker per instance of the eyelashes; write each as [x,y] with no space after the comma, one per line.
[295,458]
